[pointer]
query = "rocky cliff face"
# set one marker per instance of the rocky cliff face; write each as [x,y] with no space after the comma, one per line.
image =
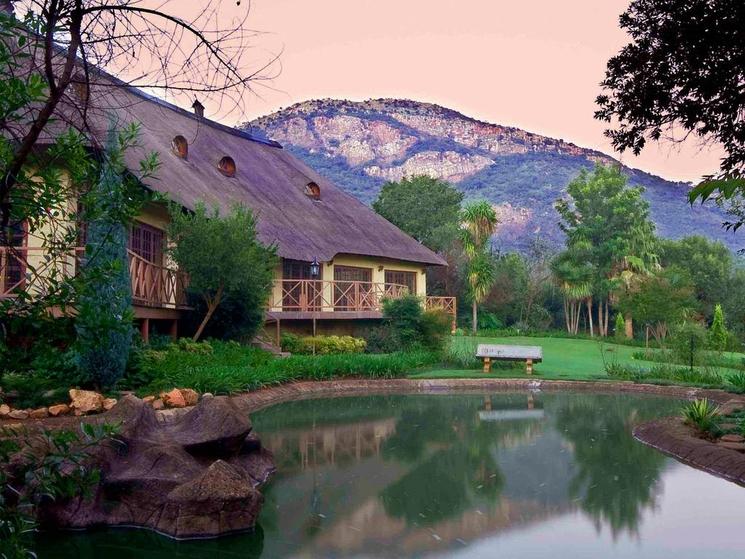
[360,145]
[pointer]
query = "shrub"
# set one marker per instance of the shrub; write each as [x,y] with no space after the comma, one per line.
[737,380]
[718,334]
[688,343]
[702,414]
[619,330]
[407,326]
[322,345]
[200,348]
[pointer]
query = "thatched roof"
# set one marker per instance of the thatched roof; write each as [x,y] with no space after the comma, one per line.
[268,179]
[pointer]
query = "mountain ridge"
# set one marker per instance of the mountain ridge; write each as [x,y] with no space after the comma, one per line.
[361,144]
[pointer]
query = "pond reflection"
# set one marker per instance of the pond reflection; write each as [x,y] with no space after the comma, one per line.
[473,475]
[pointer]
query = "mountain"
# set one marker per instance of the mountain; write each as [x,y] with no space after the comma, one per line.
[360,145]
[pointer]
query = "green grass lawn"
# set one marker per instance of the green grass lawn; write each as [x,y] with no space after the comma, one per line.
[563,358]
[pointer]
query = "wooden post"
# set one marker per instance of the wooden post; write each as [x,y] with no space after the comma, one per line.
[174,329]
[145,330]
[487,364]
[529,366]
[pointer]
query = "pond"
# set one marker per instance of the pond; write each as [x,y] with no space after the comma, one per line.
[463,475]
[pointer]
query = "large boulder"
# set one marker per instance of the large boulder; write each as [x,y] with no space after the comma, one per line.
[85,401]
[195,476]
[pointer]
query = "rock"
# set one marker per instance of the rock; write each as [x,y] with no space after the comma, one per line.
[157,404]
[740,447]
[59,409]
[4,410]
[186,478]
[18,414]
[732,438]
[148,399]
[40,413]
[191,397]
[109,403]
[173,399]
[85,401]
[207,395]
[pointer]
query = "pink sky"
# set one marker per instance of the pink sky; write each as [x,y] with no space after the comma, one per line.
[535,64]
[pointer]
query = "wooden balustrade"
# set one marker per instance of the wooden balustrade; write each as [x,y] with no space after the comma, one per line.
[445,304]
[23,268]
[303,295]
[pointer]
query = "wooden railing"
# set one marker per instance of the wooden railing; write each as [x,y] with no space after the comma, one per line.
[154,285]
[445,304]
[23,268]
[328,296]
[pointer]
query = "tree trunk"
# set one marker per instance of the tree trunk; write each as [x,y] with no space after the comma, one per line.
[212,304]
[589,316]
[474,317]
[629,326]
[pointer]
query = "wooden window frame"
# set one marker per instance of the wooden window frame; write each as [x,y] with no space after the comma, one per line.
[410,273]
[154,254]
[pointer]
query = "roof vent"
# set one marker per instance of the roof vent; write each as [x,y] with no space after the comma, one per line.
[226,166]
[198,108]
[180,146]
[313,190]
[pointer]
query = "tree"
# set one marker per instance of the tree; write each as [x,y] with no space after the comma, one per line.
[709,263]
[683,68]
[660,300]
[479,222]
[104,321]
[718,334]
[574,274]
[618,330]
[428,209]
[221,255]
[608,224]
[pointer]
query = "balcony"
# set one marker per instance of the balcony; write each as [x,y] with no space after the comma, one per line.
[308,299]
[153,286]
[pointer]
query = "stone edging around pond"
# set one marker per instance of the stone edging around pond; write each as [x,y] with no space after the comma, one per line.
[672,437]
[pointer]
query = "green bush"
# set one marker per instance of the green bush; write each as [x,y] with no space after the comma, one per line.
[688,343]
[322,345]
[718,334]
[737,380]
[619,330]
[407,326]
[234,369]
[702,414]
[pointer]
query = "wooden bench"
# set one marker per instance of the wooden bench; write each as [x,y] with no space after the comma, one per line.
[492,352]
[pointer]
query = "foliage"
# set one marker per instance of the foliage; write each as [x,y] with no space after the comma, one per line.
[702,414]
[407,326]
[610,239]
[425,208]
[479,222]
[322,345]
[737,380]
[103,323]
[658,300]
[619,326]
[659,81]
[51,465]
[688,343]
[237,368]
[718,334]
[709,265]
[222,257]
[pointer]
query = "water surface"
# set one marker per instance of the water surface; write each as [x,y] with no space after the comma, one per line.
[460,475]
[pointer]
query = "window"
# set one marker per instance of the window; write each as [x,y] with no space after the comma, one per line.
[399,277]
[312,190]
[353,290]
[180,147]
[146,242]
[297,295]
[226,166]
[13,259]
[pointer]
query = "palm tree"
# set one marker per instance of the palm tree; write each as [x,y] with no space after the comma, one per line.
[574,276]
[479,222]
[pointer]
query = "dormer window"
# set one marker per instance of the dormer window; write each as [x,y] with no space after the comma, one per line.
[226,166]
[312,190]
[180,147]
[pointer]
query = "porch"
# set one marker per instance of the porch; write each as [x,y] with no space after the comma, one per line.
[158,292]
[305,299]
